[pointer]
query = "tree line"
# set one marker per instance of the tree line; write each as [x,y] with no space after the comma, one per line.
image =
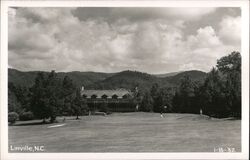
[219,95]
[46,99]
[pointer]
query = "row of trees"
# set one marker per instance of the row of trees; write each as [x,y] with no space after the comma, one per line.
[219,95]
[157,99]
[47,98]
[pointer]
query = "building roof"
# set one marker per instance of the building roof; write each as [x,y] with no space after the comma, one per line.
[109,93]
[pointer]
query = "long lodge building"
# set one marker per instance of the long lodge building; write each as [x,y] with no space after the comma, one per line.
[118,100]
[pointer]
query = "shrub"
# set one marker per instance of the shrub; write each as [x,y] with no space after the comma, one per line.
[104,108]
[25,116]
[12,117]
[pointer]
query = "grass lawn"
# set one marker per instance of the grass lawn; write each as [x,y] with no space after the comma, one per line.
[131,132]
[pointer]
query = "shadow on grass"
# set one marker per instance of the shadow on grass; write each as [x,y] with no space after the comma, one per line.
[30,123]
[232,118]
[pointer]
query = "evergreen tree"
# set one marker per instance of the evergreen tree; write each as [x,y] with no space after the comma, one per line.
[39,102]
[164,100]
[13,104]
[213,95]
[18,98]
[78,106]
[68,92]
[147,102]
[184,96]
[45,100]
[53,94]
[154,91]
[230,67]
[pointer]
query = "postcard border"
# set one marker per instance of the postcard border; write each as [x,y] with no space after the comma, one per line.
[156,155]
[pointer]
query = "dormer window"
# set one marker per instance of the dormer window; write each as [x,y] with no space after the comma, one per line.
[125,96]
[84,96]
[104,96]
[114,96]
[93,96]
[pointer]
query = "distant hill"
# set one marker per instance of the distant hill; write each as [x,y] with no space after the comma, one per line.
[21,78]
[98,80]
[79,78]
[167,74]
[193,74]
[128,79]
[85,78]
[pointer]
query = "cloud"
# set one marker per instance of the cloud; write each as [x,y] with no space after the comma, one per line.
[205,38]
[190,14]
[187,66]
[89,39]
[204,49]
[230,29]
[41,15]
[147,42]
[141,13]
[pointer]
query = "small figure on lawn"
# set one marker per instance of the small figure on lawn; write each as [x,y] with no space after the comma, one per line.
[137,107]
[161,115]
[200,111]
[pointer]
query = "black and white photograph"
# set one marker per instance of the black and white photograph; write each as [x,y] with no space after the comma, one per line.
[126,79]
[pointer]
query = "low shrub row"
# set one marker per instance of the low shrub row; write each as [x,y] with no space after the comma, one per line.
[25,116]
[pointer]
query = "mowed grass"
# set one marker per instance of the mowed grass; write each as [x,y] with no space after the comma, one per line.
[132,132]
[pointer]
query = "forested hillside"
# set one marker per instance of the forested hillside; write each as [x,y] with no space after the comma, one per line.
[27,79]
[98,80]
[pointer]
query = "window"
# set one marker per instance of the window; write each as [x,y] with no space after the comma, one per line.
[125,96]
[93,96]
[114,96]
[84,96]
[104,96]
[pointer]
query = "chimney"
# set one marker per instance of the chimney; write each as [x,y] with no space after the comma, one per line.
[82,89]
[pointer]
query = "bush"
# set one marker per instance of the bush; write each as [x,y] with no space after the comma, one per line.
[105,108]
[12,117]
[25,116]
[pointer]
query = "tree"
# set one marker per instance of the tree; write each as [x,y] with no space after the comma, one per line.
[183,100]
[38,98]
[45,101]
[68,86]
[68,92]
[18,98]
[154,91]
[212,93]
[147,102]
[13,104]
[230,67]
[230,63]
[186,86]
[12,117]
[164,99]
[78,106]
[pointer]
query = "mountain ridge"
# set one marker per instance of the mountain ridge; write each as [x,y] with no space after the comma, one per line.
[100,80]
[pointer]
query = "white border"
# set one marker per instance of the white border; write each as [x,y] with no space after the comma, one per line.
[244,4]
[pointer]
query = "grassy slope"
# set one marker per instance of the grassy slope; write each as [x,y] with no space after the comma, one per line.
[132,132]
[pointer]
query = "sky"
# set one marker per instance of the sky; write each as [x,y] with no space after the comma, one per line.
[151,40]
